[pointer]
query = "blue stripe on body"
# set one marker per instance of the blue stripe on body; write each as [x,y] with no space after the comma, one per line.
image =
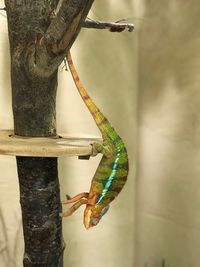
[110,179]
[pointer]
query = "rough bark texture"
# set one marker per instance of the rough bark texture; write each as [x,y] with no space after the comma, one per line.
[40,34]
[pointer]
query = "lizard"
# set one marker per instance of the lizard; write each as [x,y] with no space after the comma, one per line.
[112,171]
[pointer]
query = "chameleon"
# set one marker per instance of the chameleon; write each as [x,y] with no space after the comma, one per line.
[112,171]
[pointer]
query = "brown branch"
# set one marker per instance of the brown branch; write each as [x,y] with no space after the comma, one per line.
[111,26]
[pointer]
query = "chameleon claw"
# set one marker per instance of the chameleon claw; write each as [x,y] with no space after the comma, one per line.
[67,197]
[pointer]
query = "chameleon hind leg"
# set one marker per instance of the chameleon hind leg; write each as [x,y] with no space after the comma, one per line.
[73,208]
[103,149]
[79,200]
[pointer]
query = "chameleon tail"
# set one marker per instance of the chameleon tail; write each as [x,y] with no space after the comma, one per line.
[98,116]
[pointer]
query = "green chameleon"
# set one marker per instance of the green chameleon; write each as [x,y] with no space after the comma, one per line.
[111,174]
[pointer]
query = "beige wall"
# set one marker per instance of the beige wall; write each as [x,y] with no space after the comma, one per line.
[107,69]
[168,186]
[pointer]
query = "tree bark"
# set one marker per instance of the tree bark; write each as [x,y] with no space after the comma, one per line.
[40,34]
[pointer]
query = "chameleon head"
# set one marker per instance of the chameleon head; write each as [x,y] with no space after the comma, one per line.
[93,214]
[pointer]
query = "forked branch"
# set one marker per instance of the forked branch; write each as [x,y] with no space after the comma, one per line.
[66,25]
[51,47]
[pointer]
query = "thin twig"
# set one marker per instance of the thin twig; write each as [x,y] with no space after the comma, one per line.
[112,26]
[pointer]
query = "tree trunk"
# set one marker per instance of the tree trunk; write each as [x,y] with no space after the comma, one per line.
[40,33]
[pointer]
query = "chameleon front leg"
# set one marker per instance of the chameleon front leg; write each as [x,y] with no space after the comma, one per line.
[73,208]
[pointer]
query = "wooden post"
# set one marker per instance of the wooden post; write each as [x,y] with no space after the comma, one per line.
[40,33]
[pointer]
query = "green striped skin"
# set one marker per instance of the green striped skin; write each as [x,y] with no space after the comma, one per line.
[111,174]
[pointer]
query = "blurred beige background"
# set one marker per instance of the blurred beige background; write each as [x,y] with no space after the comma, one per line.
[107,64]
[168,180]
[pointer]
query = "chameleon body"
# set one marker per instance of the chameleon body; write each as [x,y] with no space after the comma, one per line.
[111,174]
